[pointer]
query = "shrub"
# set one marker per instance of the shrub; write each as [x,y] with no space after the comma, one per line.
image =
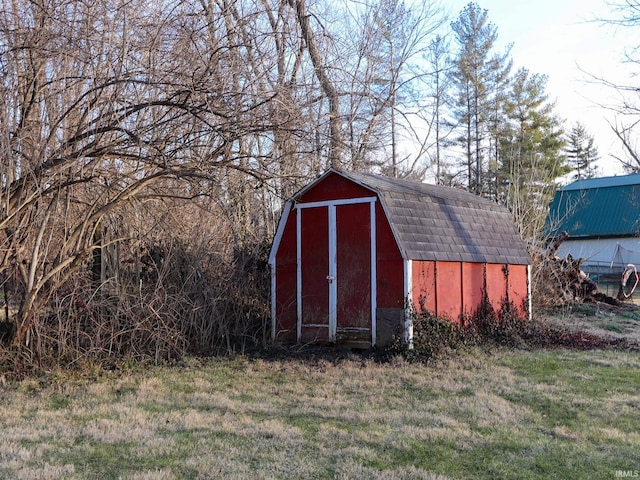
[188,301]
[436,337]
[506,326]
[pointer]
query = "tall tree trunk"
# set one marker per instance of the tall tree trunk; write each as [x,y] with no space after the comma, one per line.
[477,189]
[335,143]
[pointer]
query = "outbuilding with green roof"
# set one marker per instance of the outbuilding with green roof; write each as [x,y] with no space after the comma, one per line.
[602,219]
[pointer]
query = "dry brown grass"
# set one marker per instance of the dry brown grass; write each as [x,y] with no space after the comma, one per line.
[501,415]
[600,319]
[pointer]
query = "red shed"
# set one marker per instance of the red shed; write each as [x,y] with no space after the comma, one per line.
[355,251]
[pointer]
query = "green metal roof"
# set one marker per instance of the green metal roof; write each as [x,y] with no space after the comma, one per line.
[599,207]
[604,182]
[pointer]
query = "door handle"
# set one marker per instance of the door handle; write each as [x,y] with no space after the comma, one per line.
[330,278]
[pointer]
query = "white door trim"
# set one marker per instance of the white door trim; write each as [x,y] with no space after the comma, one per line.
[374,272]
[343,201]
[332,276]
[408,304]
[299,274]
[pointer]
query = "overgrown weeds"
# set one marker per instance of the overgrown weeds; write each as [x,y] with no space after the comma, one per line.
[436,337]
[174,299]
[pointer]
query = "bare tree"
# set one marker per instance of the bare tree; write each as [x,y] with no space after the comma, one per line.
[382,83]
[625,14]
[438,83]
[145,151]
[103,101]
[329,89]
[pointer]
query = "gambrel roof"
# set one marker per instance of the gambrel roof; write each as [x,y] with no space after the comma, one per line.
[433,222]
[597,208]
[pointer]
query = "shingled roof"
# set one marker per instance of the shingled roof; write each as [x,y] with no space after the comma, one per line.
[433,222]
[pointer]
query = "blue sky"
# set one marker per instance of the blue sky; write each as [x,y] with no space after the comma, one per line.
[560,38]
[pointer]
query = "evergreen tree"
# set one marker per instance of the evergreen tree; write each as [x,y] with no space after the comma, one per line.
[532,151]
[500,83]
[478,77]
[581,152]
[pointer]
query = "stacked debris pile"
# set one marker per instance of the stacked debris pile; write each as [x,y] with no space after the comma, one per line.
[559,282]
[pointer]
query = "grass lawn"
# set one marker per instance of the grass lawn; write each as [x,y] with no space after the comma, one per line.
[507,414]
[599,319]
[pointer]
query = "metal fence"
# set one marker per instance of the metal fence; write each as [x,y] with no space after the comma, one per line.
[608,276]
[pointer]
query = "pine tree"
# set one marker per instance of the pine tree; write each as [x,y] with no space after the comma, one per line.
[581,152]
[532,151]
[478,77]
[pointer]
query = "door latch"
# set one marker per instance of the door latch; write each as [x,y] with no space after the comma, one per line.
[330,278]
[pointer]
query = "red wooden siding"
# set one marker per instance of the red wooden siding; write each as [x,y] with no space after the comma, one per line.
[519,287]
[390,269]
[354,266]
[449,290]
[424,286]
[286,266]
[496,285]
[334,187]
[472,287]
[452,289]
